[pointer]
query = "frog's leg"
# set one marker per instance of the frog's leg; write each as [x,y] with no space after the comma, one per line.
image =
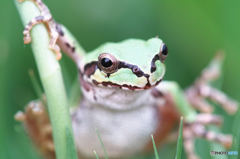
[201,89]
[44,17]
[194,124]
[36,121]
[58,34]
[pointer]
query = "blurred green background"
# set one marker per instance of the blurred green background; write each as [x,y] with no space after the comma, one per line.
[192,30]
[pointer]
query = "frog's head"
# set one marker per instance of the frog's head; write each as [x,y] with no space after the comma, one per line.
[130,65]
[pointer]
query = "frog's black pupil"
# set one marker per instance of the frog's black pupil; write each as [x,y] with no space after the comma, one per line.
[164,50]
[106,62]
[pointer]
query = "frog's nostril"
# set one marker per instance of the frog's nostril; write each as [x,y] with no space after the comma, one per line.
[153,67]
[136,70]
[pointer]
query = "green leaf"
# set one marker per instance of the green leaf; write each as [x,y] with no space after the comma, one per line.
[180,139]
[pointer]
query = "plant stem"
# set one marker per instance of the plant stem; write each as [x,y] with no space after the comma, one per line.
[51,77]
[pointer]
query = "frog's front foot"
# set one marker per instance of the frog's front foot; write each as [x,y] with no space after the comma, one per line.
[37,124]
[44,17]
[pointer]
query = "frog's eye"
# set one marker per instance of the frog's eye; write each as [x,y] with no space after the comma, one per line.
[107,62]
[163,52]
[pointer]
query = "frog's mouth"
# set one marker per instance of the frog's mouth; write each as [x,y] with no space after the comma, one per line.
[125,86]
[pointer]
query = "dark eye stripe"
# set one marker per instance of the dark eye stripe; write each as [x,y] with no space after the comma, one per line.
[135,69]
[153,65]
[90,68]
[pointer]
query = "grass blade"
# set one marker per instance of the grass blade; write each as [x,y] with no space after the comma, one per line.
[106,157]
[155,149]
[180,139]
[96,154]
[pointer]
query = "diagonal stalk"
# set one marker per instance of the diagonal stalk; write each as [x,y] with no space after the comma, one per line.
[51,78]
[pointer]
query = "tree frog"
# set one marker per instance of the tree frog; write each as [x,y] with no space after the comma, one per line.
[125,98]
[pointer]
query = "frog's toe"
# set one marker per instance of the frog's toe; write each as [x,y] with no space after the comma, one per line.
[56,49]
[198,95]
[219,98]
[20,116]
[35,109]
[213,71]
[197,102]
[53,46]
[223,139]
[206,119]
[27,39]
[188,143]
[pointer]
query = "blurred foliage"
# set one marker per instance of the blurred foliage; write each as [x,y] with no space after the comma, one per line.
[192,30]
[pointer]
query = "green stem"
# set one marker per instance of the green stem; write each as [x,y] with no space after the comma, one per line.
[51,77]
